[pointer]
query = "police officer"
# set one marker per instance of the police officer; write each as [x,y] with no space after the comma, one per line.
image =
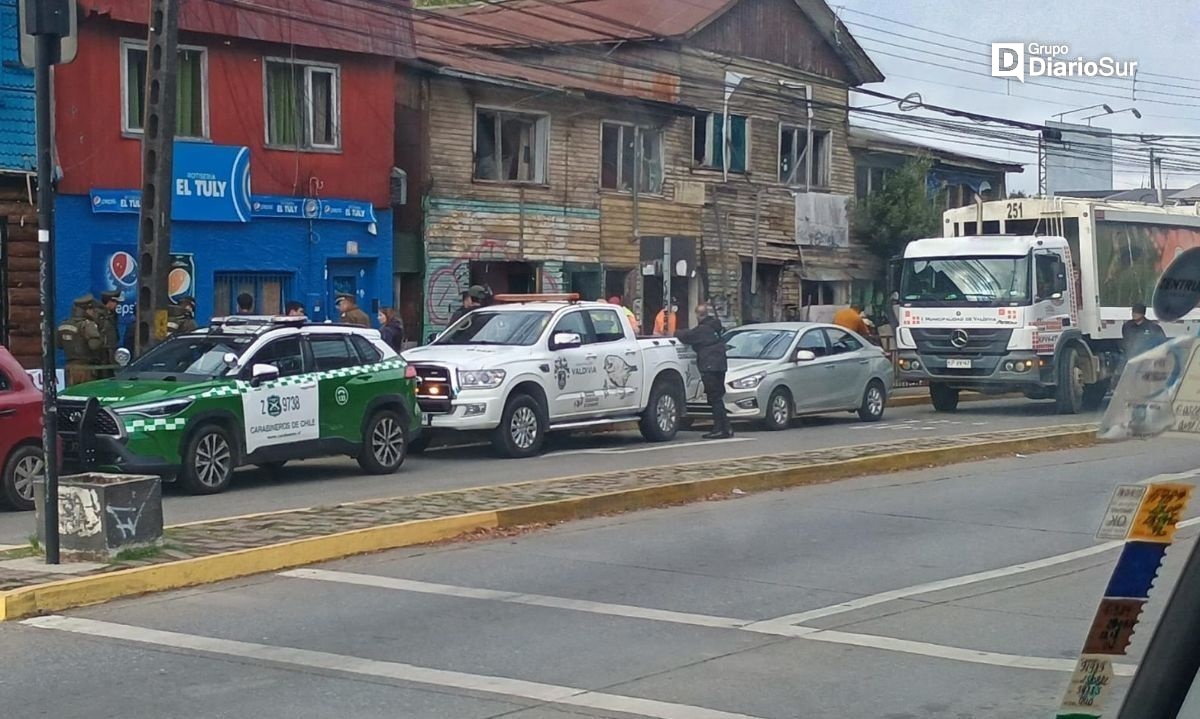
[476,296]
[182,317]
[79,338]
[106,320]
[351,314]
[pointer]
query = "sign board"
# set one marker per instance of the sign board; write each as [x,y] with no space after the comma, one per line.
[1113,625]
[1143,403]
[1122,509]
[277,413]
[115,269]
[1178,288]
[60,378]
[1090,685]
[68,46]
[1160,512]
[211,183]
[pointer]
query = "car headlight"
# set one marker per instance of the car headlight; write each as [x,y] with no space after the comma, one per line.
[480,379]
[165,408]
[748,382]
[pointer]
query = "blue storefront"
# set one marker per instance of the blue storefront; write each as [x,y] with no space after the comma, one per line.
[226,241]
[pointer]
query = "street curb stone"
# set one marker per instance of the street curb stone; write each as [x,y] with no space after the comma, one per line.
[223,549]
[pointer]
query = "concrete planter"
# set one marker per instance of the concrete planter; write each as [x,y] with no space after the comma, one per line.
[100,515]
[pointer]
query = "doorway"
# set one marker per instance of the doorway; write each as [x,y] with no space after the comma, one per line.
[351,277]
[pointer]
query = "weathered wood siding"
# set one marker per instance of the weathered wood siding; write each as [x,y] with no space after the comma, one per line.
[24,310]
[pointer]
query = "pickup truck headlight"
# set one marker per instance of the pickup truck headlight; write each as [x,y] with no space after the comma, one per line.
[165,408]
[749,382]
[480,379]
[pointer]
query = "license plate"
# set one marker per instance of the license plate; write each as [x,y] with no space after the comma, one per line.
[427,419]
[958,364]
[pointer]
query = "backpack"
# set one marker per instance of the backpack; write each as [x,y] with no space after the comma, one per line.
[71,340]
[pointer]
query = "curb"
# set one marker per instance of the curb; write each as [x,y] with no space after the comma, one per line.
[96,589]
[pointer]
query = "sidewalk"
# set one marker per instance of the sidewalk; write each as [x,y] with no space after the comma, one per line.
[531,502]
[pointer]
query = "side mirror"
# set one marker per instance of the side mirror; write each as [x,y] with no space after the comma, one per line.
[805,355]
[565,341]
[263,373]
[122,356]
[229,359]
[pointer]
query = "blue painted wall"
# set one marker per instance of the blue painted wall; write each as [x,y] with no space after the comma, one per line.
[298,247]
[17,148]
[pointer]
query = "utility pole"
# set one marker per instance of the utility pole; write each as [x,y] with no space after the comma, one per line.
[48,21]
[158,154]
[1153,185]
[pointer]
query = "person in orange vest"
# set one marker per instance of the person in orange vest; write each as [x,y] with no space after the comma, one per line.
[852,319]
[664,325]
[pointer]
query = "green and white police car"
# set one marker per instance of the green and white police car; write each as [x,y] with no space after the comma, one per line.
[246,390]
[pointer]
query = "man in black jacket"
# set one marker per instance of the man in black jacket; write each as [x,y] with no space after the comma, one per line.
[708,341]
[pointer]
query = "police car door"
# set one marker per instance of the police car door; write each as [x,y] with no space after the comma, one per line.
[336,362]
[283,411]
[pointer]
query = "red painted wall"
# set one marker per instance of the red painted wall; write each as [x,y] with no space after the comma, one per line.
[93,153]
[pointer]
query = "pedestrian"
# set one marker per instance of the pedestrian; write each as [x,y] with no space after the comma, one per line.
[476,296]
[391,328]
[295,309]
[852,319]
[245,303]
[79,339]
[110,333]
[632,318]
[181,318]
[1139,334]
[708,340]
[666,320]
[350,313]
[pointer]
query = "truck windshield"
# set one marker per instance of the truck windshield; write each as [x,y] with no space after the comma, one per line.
[965,280]
[483,327]
[190,357]
[758,344]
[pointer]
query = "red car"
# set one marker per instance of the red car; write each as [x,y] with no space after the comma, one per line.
[20,434]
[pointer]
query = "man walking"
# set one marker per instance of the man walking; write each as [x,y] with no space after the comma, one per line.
[351,314]
[708,341]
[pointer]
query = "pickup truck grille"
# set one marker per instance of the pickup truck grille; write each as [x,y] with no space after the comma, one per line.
[434,391]
[978,341]
[70,414]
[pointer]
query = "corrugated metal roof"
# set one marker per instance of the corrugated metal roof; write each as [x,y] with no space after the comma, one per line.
[17,146]
[372,27]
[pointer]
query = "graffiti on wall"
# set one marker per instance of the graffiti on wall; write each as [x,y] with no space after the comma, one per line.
[448,282]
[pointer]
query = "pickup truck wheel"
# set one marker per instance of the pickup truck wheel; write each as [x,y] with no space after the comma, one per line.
[1068,394]
[208,461]
[522,428]
[385,443]
[943,398]
[660,420]
[24,469]
[1094,394]
[779,410]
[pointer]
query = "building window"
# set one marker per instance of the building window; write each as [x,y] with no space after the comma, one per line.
[510,146]
[303,105]
[869,180]
[794,152]
[708,132]
[624,147]
[270,291]
[191,101]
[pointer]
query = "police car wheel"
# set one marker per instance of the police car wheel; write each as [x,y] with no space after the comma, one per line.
[208,461]
[25,468]
[385,443]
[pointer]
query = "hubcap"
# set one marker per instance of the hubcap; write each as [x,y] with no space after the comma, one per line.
[779,410]
[213,460]
[666,413]
[874,401]
[524,427]
[28,472]
[387,442]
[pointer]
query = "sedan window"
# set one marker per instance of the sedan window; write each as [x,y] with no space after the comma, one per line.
[841,342]
[814,341]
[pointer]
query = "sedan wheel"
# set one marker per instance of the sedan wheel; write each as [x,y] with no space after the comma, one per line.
[779,410]
[874,401]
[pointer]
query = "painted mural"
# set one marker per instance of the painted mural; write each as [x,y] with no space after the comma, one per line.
[1132,255]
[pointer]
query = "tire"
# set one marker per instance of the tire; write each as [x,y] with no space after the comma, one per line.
[660,420]
[208,461]
[420,444]
[943,397]
[779,410]
[522,429]
[874,402]
[1094,394]
[1068,391]
[25,467]
[384,443]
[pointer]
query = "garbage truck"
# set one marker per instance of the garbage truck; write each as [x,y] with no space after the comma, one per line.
[1029,295]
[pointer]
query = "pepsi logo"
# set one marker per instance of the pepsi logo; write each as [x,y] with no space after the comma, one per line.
[123,268]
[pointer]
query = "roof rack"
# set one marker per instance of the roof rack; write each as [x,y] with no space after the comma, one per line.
[255,323]
[536,297]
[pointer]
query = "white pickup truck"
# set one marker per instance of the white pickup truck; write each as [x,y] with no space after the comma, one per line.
[521,370]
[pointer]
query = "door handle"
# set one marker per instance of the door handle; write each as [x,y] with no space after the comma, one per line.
[864,361]
[7,412]
[630,352]
[590,357]
[308,385]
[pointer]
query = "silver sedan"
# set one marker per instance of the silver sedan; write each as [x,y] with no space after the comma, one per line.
[781,370]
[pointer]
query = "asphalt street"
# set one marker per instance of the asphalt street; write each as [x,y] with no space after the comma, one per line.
[956,592]
[333,481]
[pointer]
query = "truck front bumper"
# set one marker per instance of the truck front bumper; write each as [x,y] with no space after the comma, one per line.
[472,410]
[112,454]
[1014,369]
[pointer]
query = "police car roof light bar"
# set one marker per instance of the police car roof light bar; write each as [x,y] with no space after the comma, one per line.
[536,297]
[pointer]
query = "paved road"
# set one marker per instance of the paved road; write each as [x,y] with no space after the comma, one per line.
[812,602]
[329,482]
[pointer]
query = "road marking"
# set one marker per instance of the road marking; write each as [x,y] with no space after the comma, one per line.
[871,641]
[651,448]
[308,659]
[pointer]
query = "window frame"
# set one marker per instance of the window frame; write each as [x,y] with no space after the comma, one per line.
[820,334]
[589,332]
[639,131]
[823,168]
[305,365]
[543,120]
[351,352]
[831,332]
[127,44]
[707,163]
[621,325]
[305,143]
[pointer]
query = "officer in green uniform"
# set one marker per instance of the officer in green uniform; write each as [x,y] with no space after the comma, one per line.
[79,338]
[182,317]
[106,320]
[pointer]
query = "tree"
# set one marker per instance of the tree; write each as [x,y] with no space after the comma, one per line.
[903,211]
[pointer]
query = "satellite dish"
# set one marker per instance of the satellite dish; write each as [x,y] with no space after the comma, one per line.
[911,102]
[1178,289]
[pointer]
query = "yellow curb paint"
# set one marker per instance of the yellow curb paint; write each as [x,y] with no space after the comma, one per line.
[82,591]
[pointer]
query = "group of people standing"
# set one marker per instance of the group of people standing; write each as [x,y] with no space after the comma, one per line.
[90,338]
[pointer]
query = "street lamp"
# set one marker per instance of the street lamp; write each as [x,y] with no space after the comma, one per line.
[1110,111]
[1107,110]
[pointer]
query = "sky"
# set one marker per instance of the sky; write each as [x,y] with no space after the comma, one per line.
[1161,36]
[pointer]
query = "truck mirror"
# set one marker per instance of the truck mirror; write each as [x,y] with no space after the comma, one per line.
[565,341]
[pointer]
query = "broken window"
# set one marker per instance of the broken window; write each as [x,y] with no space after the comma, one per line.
[626,147]
[510,147]
[793,156]
[708,135]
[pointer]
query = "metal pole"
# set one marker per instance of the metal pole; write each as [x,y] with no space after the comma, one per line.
[1152,183]
[667,285]
[1164,677]
[45,50]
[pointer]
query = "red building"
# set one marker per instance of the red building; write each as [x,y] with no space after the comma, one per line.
[300,92]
